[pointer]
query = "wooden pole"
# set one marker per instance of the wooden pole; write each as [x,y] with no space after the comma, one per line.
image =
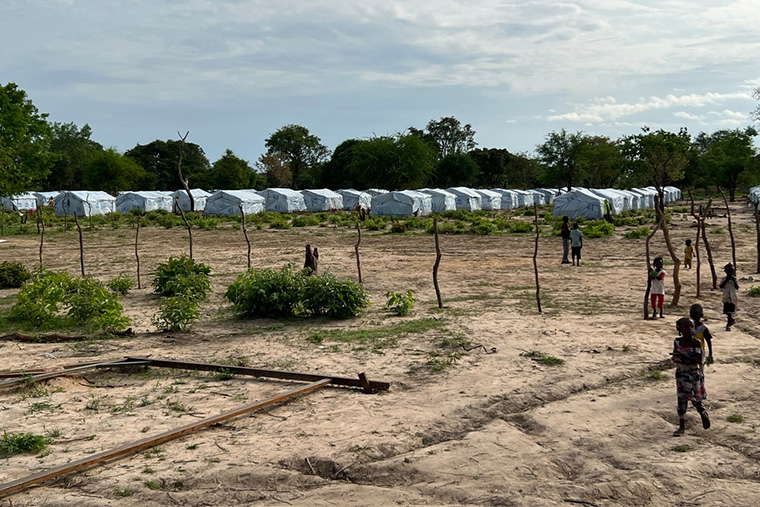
[137,254]
[660,209]
[146,443]
[696,242]
[708,249]
[535,258]
[757,232]
[41,227]
[187,224]
[730,231]
[245,233]
[182,179]
[437,263]
[359,242]
[81,243]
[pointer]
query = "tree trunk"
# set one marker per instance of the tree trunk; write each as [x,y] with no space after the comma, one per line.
[245,233]
[535,257]
[437,263]
[41,227]
[356,249]
[730,231]
[137,255]
[676,261]
[709,250]
[81,243]
[187,224]
[179,172]
[649,268]
[696,253]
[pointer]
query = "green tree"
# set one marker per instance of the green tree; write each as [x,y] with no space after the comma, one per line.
[302,151]
[726,155]
[559,154]
[457,170]
[231,172]
[74,149]
[524,170]
[112,172]
[447,135]
[493,165]
[392,162]
[335,173]
[25,137]
[600,161]
[159,159]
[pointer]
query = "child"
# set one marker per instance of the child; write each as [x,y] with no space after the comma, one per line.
[729,285]
[690,379]
[688,254]
[565,234]
[657,292]
[701,332]
[576,239]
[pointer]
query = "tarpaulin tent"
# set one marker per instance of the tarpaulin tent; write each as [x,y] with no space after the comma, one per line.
[615,199]
[402,203]
[143,200]
[676,192]
[284,200]
[228,202]
[579,203]
[375,191]
[442,200]
[508,198]
[548,193]
[489,200]
[631,198]
[84,203]
[466,198]
[754,194]
[199,198]
[649,193]
[354,198]
[539,198]
[20,202]
[523,198]
[322,199]
[643,198]
[43,198]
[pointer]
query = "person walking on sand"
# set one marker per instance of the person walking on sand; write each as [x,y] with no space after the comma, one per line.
[688,254]
[576,243]
[657,292]
[729,285]
[690,378]
[701,332]
[565,233]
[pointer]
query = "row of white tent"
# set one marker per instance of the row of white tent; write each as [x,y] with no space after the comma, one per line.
[754,194]
[589,203]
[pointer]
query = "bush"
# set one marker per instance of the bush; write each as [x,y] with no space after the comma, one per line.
[17,443]
[754,291]
[91,303]
[182,276]
[13,275]
[305,220]
[400,303]
[641,232]
[272,293]
[279,222]
[374,224]
[398,227]
[598,229]
[483,228]
[518,226]
[176,314]
[121,284]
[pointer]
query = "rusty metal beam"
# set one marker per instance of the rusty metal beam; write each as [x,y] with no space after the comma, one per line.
[258,372]
[23,483]
[67,371]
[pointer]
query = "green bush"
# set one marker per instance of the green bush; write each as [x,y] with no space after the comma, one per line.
[121,284]
[176,314]
[305,220]
[483,227]
[272,293]
[400,303]
[13,275]
[279,222]
[18,443]
[598,229]
[374,224]
[182,276]
[641,232]
[91,303]
[518,226]
[754,291]
[398,227]
[457,214]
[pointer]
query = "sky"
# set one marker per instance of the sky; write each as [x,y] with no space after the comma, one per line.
[232,72]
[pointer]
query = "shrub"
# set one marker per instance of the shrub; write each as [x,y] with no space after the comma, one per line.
[176,314]
[400,303]
[518,226]
[641,232]
[484,228]
[327,296]
[457,214]
[754,291]
[182,276]
[598,229]
[121,284]
[279,222]
[18,443]
[305,220]
[91,303]
[38,302]
[13,275]
[374,224]
[398,227]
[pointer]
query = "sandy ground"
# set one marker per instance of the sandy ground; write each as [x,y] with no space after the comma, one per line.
[456,427]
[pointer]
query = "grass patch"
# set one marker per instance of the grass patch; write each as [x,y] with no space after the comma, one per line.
[653,375]
[376,338]
[123,492]
[682,448]
[735,418]
[43,406]
[542,358]
[20,443]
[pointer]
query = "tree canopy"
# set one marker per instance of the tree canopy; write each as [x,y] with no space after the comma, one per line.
[726,155]
[112,172]
[74,149]
[302,151]
[560,154]
[160,158]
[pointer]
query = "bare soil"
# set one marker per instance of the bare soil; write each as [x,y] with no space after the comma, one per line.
[456,427]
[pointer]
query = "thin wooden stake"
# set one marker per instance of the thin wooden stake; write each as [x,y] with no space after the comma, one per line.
[437,263]
[137,255]
[245,233]
[359,242]
[81,243]
[182,179]
[535,258]
[660,209]
[696,242]
[41,227]
[757,232]
[730,231]
[707,247]
[187,224]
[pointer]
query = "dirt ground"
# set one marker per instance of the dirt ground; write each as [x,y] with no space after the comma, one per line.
[456,427]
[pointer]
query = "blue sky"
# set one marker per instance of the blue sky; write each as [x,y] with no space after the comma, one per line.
[233,71]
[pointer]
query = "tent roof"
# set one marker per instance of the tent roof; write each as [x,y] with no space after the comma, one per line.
[324,192]
[89,194]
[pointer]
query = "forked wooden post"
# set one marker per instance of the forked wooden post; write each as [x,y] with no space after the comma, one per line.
[535,258]
[41,227]
[730,231]
[187,224]
[356,249]
[707,247]
[649,268]
[245,234]
[696,242]
[81,243]
[437,263]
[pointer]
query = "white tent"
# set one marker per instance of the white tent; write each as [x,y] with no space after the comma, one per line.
[676,192]
[43,198]
[466,198]
[322,199]
[631,198]
[643,198]
[353,198]
[228,202]
[402,203]
[20,202]
[539,198]
[199,198]
[616,200]
[754,194]
[375,191]
[508,198]
[442,200]
[579,203]
[84,203]
[143,200]
[649,193]
[548,193]
[489,200]
[523,198]
[284,200]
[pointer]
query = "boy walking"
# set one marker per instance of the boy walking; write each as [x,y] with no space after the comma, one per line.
[729,285]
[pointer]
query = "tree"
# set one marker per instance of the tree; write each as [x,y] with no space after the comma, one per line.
[159,159]
[335,172]
[302,151]
[600,161]
[25,136]
[726,155]
[112,172]
[559,154]
[75,149]
[275,169]
[447,135]
[231,172]
[392,162]
[493,165]
[756,113]
[457,170]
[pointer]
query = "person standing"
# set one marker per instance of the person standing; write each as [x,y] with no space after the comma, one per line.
[688,254]
[729,285]
[565,233]
[688,355]
[576,243]
[657,292]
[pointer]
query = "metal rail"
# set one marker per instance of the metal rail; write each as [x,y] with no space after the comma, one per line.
[20,484]
[60,373]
